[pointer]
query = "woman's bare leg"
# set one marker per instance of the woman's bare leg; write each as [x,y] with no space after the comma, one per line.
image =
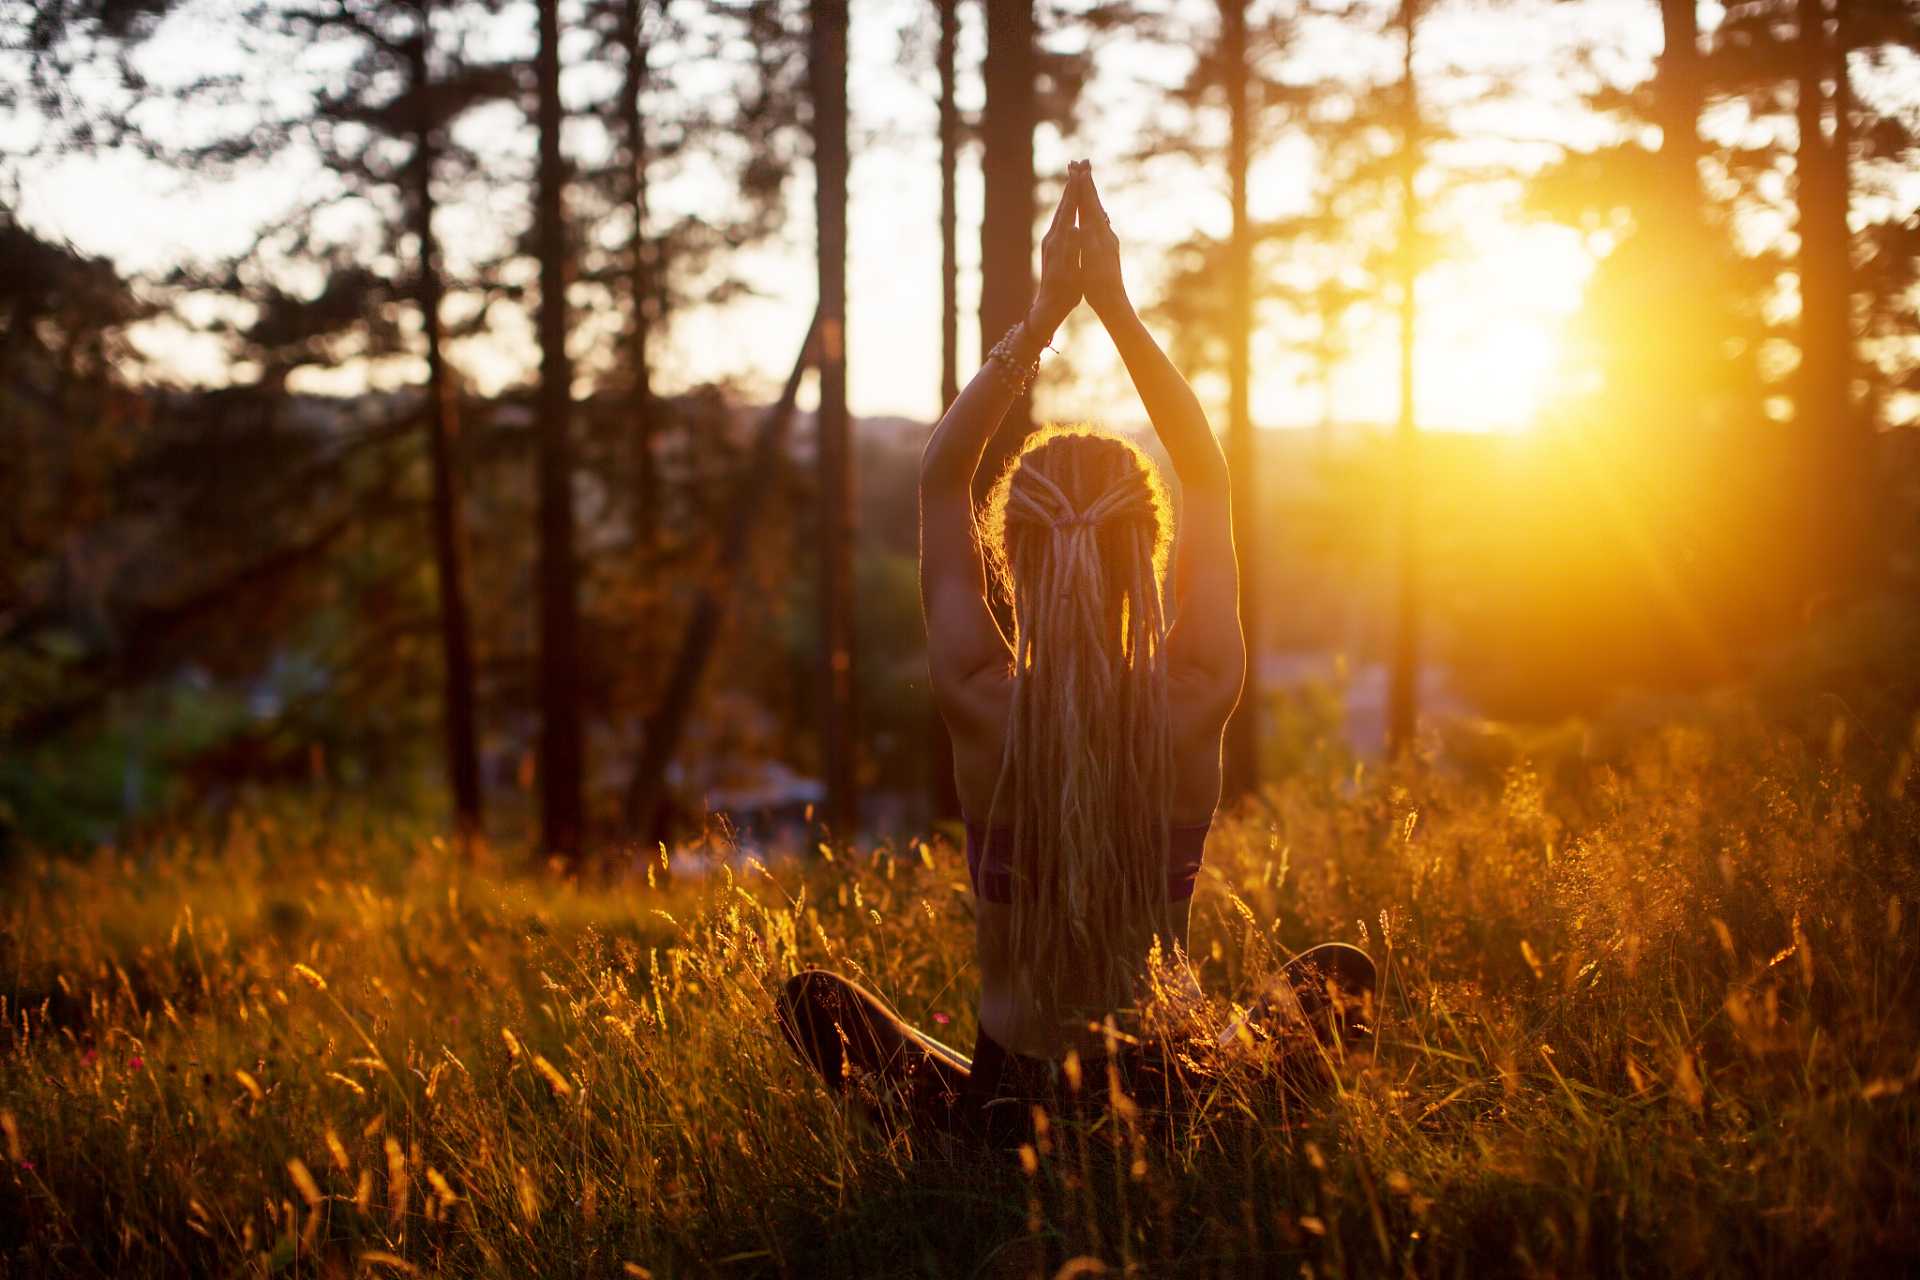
[845,1032]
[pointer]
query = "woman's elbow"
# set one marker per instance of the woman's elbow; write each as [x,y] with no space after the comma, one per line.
[1206,475]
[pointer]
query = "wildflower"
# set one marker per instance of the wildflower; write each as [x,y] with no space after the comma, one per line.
[89,1056]
[134,1064]
[942,1019]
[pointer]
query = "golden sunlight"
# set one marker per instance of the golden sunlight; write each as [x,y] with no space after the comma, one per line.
[1487,353]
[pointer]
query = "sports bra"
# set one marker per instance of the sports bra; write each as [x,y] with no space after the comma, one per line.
[990,859]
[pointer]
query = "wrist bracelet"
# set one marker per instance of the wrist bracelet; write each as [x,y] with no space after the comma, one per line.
[1014,374]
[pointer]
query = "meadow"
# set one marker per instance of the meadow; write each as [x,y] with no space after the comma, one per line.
[1652,1016]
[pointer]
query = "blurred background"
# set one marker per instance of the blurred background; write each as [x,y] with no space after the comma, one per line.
[511,412]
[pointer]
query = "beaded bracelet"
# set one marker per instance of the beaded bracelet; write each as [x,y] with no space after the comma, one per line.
[1006,364]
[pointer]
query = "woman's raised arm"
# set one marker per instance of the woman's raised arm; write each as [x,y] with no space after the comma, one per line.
[1204,648]
[966,652]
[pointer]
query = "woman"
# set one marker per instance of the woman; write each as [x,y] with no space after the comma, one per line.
[1087,750]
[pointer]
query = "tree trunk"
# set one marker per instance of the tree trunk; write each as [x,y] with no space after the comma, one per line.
[1403,675]
[1006,228]
[562,807]
[943,792]
[949,205]
[827,57]
[1688,348]
[1835,447]
[443,433]
[646,480]
[1679,96]
[1240,759]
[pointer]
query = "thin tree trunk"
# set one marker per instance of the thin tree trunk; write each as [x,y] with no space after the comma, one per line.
[828,76]
[443,434]
[646,488]
[1240,758]
[1678,222]
[1835,447]
[1006,227]
[943,792]
[562,802]
[1403,673]
[1679,97]
[949,205]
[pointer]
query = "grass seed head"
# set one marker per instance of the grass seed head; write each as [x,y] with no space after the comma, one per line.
[338,1151]
[359,1091]
[398,1183]
[551,1074]
[303,1182]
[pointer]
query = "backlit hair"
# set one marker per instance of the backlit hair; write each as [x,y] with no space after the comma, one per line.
[1077,531]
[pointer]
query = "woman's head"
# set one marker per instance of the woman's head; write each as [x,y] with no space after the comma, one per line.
[1078,530]
[1081,502]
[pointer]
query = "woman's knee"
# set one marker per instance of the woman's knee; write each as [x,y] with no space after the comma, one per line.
[811,992]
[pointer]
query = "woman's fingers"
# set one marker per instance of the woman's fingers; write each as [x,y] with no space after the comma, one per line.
[1088,198]
[1063,213]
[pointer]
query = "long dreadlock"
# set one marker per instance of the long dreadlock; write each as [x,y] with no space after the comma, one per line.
[1078,530]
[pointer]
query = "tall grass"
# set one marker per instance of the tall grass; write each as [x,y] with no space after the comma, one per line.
[1658,1018]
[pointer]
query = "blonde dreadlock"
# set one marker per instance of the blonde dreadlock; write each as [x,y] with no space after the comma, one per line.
[1078,530]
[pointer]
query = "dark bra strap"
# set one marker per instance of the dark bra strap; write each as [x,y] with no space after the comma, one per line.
[990,861]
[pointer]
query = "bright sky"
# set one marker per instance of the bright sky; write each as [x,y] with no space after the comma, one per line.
[1490,311]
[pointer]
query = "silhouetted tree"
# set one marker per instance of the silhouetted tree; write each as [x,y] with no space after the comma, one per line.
[1007,123]
[827,59]
[1765,53]
[400,85]
[562,741]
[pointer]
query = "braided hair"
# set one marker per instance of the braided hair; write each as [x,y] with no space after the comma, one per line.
[1077,533]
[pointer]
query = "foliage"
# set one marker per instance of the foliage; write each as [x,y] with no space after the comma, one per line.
[1655,1019]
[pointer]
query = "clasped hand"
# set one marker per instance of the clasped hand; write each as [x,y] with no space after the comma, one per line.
[1079,257]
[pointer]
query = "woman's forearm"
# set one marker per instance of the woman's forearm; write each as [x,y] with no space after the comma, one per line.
[1170,403]
[953,451]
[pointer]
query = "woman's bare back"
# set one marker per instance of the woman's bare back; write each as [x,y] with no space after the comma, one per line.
[970,658]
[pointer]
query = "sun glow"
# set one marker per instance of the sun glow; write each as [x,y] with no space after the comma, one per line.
[1487,350]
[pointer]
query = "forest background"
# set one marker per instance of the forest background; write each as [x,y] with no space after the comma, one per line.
[457,485]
